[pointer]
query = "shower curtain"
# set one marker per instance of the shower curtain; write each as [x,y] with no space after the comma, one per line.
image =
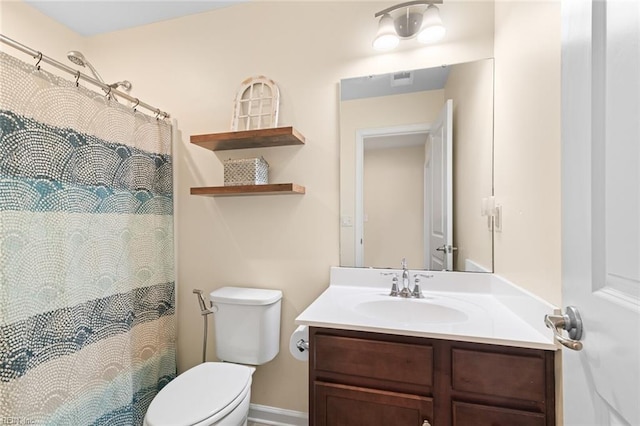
[86,253]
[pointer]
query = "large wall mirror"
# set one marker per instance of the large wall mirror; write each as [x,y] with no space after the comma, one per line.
[416,164]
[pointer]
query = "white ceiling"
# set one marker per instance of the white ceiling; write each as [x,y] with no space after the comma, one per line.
[91,17]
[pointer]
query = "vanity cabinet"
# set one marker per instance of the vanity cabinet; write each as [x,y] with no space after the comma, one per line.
[357,381]
[362,378]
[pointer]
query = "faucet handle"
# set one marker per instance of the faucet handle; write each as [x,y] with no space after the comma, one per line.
[417,292]
[394,283]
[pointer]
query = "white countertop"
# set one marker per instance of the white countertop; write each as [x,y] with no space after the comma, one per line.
[495,311]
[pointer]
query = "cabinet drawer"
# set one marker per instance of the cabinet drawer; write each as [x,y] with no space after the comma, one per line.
[372,359]
[338,405]
[495,374]
[481,415]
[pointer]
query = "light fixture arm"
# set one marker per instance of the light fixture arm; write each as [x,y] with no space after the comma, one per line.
[406,4]
[423,23]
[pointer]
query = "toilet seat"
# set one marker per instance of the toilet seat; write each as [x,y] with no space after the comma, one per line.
[208,391]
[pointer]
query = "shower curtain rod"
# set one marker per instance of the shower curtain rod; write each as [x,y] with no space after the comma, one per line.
[43,58]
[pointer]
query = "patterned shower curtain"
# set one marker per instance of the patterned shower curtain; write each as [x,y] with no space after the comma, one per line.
[87,306]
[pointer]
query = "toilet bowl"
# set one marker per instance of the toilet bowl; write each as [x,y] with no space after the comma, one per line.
[213,393]
[247,331]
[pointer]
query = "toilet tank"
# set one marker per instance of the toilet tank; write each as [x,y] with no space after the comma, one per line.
[246,324]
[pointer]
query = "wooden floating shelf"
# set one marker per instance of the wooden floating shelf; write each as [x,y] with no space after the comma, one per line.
[269,189]
[261,138]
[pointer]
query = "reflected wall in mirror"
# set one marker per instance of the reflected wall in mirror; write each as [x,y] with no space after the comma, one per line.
[405,192]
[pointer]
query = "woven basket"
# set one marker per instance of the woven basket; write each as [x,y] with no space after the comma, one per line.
[246,171]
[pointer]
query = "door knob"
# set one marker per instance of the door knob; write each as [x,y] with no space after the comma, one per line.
[570,322]
[447,249]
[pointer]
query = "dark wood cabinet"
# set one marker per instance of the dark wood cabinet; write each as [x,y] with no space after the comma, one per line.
[474,414]
[353,405]
[361,378]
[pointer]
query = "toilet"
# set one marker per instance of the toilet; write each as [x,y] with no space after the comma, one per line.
[247,333]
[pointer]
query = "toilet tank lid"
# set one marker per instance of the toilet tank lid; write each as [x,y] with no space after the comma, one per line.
[245,296]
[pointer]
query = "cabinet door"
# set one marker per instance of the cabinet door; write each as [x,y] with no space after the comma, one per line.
[337,405]
[499,374]
[394,366]
[465,414]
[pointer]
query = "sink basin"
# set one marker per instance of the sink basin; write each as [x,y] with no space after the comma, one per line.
[412,311]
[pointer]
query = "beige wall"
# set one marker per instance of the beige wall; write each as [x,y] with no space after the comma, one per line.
[470,86]
[192,66]
[26,25]
[527,145]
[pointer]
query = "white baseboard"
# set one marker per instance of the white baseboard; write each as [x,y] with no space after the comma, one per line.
[277,416]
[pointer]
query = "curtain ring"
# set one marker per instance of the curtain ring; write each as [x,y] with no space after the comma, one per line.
[39,60]
[108,95]
[77,79]
[137,103]
[158,114]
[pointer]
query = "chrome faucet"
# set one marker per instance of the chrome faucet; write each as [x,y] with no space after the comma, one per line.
[405,292]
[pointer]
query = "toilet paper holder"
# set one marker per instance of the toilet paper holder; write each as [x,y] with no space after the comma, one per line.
[302,345]
[299,343]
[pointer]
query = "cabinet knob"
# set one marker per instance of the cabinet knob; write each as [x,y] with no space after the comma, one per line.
[426,423]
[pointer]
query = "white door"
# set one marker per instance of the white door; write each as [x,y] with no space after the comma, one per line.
[439,184]
[601,209]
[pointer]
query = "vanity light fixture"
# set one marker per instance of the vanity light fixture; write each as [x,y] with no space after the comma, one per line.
[409,20]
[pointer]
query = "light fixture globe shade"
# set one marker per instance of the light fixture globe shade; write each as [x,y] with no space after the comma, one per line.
[432,28]
[386,38]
